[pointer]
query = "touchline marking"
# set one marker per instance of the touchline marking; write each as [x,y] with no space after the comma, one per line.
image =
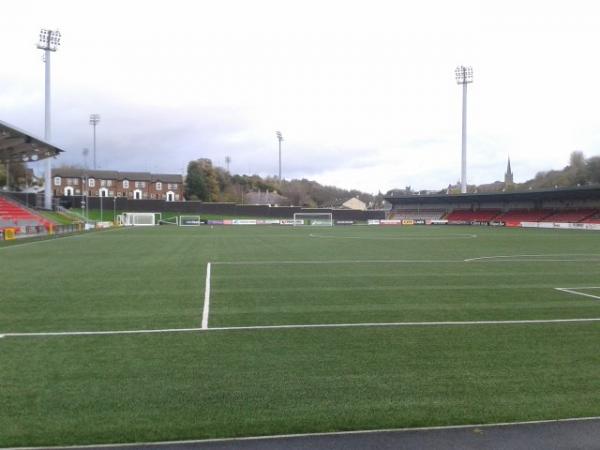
[501,257]
[304,326]
[321,434]
[341,261]
[393,238]
[574,290]
[205,310]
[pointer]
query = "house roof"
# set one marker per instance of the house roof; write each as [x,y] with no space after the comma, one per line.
[115,175]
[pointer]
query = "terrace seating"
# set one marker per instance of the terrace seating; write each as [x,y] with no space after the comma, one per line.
[594,218]
[13,215]
[465,215]
[524,215]
[417,214]
[570,216]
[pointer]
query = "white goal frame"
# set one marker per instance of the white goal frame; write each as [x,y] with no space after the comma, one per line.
[314,219]
[139,219]
[194,217]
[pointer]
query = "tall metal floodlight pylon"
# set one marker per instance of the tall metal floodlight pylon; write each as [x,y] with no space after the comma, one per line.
[279,138]
[94,120]
[464,76]
[49,42]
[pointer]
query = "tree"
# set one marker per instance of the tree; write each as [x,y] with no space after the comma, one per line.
[201,181]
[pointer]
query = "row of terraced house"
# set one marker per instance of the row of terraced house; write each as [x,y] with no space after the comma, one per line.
[68,182]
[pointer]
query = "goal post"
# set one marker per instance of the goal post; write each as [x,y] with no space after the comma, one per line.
[189,221]
[313,219]
[137,219]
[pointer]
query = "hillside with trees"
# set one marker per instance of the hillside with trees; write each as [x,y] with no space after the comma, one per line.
[581,171]
[214,184]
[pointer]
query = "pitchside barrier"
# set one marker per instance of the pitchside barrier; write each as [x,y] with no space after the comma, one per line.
[562,225]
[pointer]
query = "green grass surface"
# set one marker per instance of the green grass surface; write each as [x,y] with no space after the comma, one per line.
[124,388]
[55,217]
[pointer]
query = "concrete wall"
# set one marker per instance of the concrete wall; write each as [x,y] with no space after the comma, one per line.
[122,204]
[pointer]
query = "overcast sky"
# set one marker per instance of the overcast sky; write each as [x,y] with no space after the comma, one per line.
[363,91]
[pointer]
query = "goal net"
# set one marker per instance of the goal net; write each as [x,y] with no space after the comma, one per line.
[139,219]
[189,221]
[313,219]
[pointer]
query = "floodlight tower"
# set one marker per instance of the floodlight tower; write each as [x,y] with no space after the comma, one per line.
[94,120]
[49,42]
[464,76]
[279,138]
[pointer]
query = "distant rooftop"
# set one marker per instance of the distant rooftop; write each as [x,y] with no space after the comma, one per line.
[116,175]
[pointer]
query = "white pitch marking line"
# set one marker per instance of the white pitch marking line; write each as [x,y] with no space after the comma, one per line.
[305,326]
[317,434]
[206,308]
[574,290]
[399,238]
[341,261]
[481,258]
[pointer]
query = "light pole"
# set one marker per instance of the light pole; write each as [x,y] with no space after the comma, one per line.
[94,120]
[85,152]
[227,162]
[464,76]
[279,138]
[49,42]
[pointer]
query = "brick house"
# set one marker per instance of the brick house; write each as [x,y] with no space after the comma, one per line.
[110,183]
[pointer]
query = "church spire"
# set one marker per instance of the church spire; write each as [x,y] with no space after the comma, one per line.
[508,176]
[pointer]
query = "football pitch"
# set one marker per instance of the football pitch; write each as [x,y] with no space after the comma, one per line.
[167,333]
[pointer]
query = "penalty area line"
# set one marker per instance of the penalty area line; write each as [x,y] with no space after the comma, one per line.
[308,326]
[575,291]
[205,310]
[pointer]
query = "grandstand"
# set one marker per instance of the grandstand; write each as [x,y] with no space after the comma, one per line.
[418,214]
[19,146]
[19,217]
[572,205]
[482,215]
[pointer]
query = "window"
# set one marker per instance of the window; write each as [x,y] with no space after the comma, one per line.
[75,181]
[140,184]
[125,184]
[103,183]
[109,183]
[158,186]
[172,186]
[56,181]
[92,182]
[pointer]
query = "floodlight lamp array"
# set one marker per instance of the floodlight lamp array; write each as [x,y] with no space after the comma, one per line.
[94,119]
[279,135]
[49,40]
[464,74]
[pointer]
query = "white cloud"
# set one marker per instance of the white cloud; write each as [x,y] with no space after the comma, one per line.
[363,91]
